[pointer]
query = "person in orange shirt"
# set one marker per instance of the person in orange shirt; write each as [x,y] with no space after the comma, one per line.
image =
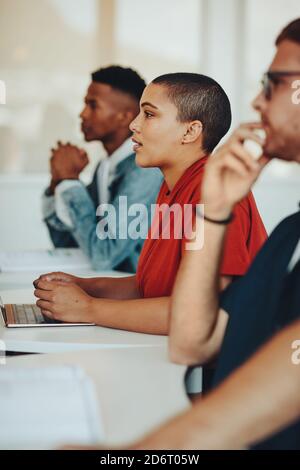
[182,118]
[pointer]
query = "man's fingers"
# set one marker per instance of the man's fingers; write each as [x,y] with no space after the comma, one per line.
[237,160]
[235,164]
[263,161]
[252,125]
[243,134]
[241,153]
[83,153]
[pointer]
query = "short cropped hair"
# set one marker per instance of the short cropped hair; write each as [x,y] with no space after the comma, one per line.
[290,33]
[123,79]
[198,97]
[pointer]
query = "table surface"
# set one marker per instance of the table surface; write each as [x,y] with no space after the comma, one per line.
[136,390]
[137,387]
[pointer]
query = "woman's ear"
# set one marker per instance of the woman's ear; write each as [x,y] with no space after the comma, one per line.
[193,132]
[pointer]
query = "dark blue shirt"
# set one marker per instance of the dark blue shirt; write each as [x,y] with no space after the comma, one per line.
[260,304]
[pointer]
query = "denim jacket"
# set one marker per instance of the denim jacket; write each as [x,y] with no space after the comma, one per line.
[137,184]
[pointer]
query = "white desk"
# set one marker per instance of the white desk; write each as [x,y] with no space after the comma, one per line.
[137,390]
[55,339]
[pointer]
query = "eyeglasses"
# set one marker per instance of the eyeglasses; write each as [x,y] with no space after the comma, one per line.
[272,78]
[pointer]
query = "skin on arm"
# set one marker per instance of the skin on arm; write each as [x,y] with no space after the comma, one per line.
[105,287]
[66,301]
[149,316]
[197,324]
[112,288]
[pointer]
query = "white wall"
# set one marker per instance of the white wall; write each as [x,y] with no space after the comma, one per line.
[276,199]
[48,48]
[20,213]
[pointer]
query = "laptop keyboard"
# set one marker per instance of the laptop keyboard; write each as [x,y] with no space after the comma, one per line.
[30,314]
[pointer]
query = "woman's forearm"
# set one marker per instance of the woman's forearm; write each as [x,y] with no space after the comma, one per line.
[111,287]
[140,315]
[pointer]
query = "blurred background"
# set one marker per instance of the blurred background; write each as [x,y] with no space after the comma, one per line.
[48,48]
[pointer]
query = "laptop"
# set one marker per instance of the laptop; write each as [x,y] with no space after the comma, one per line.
[29,315]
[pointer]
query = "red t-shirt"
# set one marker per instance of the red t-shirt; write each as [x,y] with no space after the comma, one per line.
[160,257]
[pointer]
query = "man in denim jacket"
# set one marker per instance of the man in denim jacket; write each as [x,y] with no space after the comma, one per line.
[69,207]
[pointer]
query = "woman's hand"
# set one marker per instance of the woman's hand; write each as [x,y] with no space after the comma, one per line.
[64,301]
[61,277]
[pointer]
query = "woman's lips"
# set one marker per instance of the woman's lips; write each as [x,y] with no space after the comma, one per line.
[137,145]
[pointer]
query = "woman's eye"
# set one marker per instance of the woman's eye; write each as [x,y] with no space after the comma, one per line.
[147,114]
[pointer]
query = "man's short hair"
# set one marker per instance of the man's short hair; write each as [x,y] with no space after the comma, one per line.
[198,97]
[290,33]
[123,79]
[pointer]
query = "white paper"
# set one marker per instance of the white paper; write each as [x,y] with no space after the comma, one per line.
[58,259]
[43,408]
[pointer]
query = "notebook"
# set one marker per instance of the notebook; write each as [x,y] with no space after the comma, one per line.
[43,408]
